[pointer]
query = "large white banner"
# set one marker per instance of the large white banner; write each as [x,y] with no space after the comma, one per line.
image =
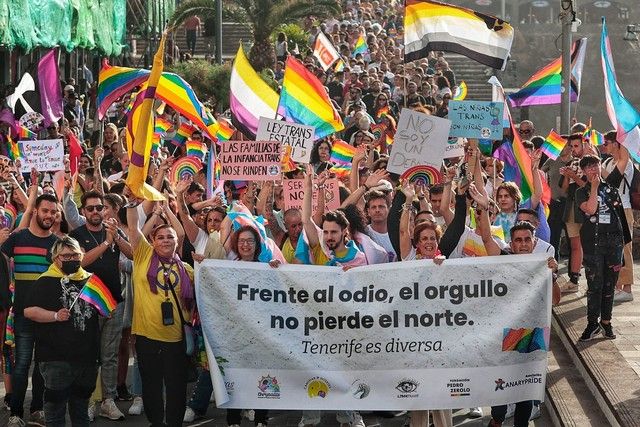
[400,336]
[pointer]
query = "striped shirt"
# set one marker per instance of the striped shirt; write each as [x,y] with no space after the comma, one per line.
[31,258]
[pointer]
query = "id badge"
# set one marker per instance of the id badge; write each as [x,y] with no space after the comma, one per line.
[167,313]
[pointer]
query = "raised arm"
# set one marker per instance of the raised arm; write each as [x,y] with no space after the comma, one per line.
[447,194]
[307,222]
[135,235]
[190,228]
[482,221]
[536,196]
[405,219]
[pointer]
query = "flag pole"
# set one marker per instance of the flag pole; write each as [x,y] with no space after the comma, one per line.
[77,296]
[565,104]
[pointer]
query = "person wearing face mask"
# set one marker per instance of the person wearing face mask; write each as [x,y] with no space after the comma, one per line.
[62,321]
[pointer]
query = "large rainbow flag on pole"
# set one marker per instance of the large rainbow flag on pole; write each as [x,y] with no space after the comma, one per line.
[140,132]
[304,100]
[250,97]
[114,82]
[543,88]
[360,46]
[624,117]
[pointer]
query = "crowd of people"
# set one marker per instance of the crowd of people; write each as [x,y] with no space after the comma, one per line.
[54,237]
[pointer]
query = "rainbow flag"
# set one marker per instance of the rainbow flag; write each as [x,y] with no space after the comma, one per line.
[360,46]
[196,149]
[114,82]
[225,130]
[250,97]
[543,88]
[517,163]
[342,153]
[288,165]
[14,149]
[461,92]
[384,111]
[10,214]
[553,145]
[162,125]
[304,100]
[96,293]
[183,133]
[24,133]
[340,65]
[595,137]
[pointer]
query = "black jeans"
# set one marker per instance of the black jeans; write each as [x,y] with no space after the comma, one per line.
[234,416]
[602,267]
[23,354]
[556,224]
[521,416]
[191,40]
[162,365]
[67,384]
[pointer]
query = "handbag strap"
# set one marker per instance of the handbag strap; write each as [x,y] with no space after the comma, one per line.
[175,298]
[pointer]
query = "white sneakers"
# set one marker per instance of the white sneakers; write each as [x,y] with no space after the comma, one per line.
[137,406]
[16,422]
[249,414]
[189,415]
[622,296]
[475,412]
[357,420]
[108,409]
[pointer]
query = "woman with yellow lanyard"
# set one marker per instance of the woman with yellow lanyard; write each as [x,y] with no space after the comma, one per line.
[164,296]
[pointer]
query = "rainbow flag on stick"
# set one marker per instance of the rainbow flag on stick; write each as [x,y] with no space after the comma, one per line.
[96,293]
[342,152]
[196,149]
[24,133]
[225,130]
[14,149]
[553,145]
[304,100]
[543,88]
[183,133]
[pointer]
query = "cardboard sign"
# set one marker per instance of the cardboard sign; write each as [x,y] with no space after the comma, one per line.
[420,140]
[455,148]
[299,137]
[294,194]
[250,160]
[44,155]
[476,119]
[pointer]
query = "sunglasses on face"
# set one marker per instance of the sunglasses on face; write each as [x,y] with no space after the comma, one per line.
[524,131]
[97,208]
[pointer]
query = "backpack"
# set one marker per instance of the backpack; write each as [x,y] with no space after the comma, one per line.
[633,186]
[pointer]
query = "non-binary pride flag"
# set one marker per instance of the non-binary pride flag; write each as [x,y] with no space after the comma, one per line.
[324,51]
[249,96]
[140,132]
[553,145]
[432,26]
[304,100]
[544,87]
[624,117]
[96,293]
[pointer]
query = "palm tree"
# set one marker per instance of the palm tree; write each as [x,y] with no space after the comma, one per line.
[262,16]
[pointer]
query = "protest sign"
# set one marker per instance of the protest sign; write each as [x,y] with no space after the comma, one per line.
[420,139]
[44,155]
[476,119]
[299,137]
[294,194]
[454,148]
[250,160]
[399,336]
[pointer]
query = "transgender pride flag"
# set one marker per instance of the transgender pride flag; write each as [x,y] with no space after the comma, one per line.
[624,117]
